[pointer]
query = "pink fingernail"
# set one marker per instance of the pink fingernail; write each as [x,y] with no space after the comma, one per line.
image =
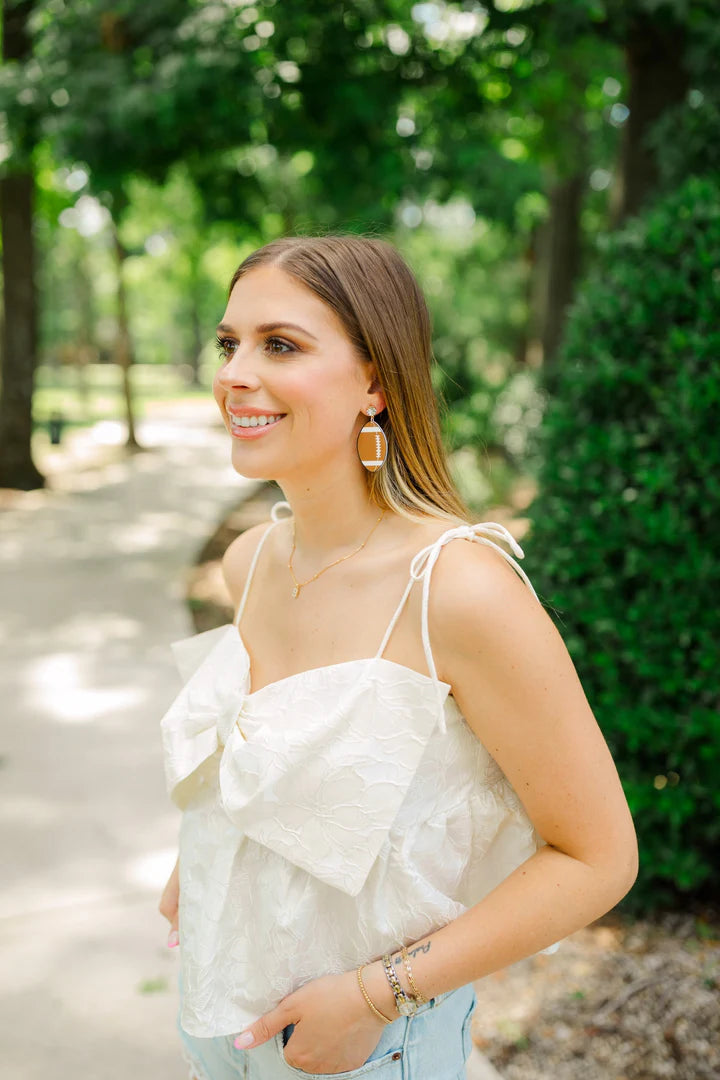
[173,939]
[244,1040]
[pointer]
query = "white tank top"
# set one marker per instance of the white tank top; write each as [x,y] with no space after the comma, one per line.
[329,816]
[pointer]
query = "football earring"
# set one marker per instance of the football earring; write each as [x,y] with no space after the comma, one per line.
[372,443]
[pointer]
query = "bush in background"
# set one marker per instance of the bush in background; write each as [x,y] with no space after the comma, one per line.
[624,535]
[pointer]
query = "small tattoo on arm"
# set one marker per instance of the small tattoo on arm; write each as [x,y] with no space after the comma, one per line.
[414,951]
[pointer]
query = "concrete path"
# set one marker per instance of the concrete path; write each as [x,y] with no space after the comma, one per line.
[91,595]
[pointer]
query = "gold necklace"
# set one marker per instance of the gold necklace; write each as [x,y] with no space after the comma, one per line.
[301,584]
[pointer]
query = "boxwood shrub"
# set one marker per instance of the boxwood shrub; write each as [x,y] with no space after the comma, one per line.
[624,540]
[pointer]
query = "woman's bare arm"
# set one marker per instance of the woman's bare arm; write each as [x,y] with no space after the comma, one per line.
[169,902]
[517,687]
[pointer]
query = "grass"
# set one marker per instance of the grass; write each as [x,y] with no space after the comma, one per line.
[85,396]
[154,986]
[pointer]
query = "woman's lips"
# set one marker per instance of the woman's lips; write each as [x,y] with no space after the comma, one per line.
[252,432]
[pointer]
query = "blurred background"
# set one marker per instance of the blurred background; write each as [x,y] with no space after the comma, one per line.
[551,171]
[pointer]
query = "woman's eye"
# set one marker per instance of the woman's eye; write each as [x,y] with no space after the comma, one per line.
[274,346]
[277,346]
[226,347]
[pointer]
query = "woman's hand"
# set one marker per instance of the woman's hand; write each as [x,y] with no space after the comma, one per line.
[168,905]
[334,1028]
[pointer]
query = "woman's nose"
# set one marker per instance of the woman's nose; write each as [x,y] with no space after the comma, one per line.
[239,371]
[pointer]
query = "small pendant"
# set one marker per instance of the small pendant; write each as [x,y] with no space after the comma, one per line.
[296,592]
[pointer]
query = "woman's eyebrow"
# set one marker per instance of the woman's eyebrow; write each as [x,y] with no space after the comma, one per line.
[265,328]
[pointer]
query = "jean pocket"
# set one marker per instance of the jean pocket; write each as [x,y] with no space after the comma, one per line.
[388,1065]
[467,1042]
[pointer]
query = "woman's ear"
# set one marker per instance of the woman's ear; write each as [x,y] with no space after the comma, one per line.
[376,390]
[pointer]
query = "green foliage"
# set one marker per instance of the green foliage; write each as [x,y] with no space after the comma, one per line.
[327,115]
[624,530]
[685,139]
[476,286]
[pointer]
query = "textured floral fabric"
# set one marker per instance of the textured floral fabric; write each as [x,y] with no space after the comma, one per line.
[327,817]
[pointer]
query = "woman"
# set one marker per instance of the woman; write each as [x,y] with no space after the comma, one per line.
[389,789]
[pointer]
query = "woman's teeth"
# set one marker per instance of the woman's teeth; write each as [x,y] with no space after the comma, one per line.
[253,421]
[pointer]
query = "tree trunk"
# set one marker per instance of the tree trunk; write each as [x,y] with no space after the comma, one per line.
[657,81]
[123,346]
[563,254]
[19,330]
[196,335]
[19,336]
[86,352]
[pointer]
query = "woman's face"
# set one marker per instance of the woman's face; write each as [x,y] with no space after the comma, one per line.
[291,396]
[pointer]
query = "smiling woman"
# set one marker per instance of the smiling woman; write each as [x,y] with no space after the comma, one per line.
[348,309]
[388,791]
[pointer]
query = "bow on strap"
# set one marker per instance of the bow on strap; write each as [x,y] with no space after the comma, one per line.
[423,563]
[421,569]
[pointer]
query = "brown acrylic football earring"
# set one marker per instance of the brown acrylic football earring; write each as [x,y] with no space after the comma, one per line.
[372,443]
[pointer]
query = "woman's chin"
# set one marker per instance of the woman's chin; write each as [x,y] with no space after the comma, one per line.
[250,472]
[250,466]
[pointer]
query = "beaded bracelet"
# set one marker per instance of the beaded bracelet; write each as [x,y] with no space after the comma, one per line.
[365,994]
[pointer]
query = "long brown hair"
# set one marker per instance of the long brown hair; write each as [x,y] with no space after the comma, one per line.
[375,295]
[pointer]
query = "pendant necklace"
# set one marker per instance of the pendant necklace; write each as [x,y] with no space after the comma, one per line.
[301,584]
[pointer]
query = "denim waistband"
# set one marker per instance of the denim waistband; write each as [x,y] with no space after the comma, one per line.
[434,1002]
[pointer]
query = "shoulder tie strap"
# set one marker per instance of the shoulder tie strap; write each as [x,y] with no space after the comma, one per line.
[422,565]
[276,518]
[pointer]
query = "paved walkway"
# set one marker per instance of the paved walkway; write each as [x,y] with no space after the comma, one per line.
[92,586]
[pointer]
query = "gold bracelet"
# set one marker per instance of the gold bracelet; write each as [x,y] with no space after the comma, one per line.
[413,985]
[365,994]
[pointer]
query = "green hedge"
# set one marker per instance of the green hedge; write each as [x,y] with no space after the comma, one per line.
[625,532]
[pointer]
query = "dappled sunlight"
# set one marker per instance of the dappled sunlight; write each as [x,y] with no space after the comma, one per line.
[109,433]
[159,433]
[93,592]
[35,894]
[92,479]
[56,684]
[151,433]
[151,871]
[27,809]
[138,536]
[87,630]
[92,575]
[122,948]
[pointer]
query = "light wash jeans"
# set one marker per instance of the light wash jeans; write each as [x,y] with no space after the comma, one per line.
[432,1045]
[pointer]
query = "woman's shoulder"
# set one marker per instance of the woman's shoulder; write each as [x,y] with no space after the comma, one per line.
[474,584]
[238,556]
[459,554]
[482,614]
[422,531]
